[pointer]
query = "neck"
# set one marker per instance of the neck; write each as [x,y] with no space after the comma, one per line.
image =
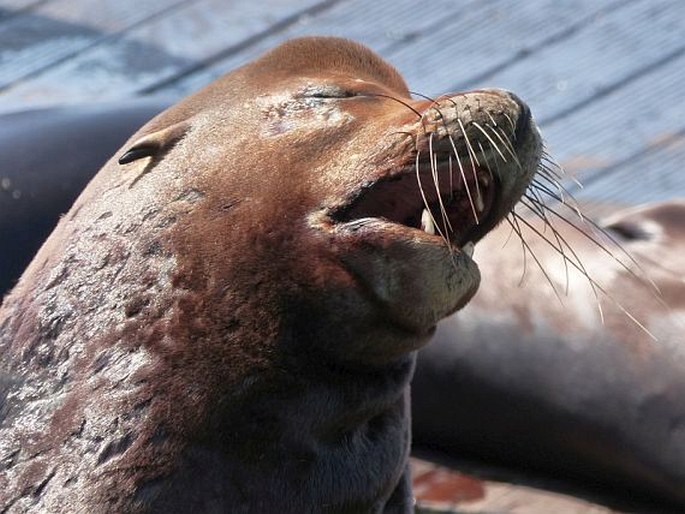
[313,438]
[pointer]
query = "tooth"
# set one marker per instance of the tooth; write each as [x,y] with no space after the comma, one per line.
[468,248]
[427,222]
[480,204]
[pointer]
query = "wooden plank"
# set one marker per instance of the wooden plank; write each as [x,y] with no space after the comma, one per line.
[57,30]
[479,41]
[156,49]
[654,175]
[599,57]
[617,126]
[380,25]
[390,29]
[572,78]
[423,42]
[19,5]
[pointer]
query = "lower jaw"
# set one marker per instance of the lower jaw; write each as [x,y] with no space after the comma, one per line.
[416,282]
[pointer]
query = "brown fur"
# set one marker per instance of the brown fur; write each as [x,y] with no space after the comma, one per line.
[200,334]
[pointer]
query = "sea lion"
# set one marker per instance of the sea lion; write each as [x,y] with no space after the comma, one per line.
[227,318]
[521,377]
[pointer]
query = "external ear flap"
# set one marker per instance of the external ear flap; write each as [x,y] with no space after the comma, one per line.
[155,144]
[138,152]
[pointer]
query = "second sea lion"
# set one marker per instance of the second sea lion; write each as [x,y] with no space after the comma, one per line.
[523,378]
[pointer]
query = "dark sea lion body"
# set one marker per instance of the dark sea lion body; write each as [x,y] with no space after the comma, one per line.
[517,377]
[224,322]
[47,156]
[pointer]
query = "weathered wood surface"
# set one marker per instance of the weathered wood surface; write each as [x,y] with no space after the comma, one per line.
[604,79]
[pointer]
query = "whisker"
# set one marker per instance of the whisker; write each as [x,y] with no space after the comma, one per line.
[600,288]
[398,100]
[566,260]
[577,264]
[507,144]
[558,196]
[511,233]
[434,172]
[492,119]
[552,166]
[511,122]
[423,197]
[449,160]
[538,208]
[570,203]
[463,177]
[425,97]
[515,229]
[598,230]
[470,149]
[492,142]
[473,158]
[488,166]
[518,218]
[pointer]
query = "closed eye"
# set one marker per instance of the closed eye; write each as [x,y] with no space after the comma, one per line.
[326,91]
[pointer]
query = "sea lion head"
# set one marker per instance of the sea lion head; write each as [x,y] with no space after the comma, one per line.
[317,159]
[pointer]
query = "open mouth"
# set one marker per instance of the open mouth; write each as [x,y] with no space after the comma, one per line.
[450,200]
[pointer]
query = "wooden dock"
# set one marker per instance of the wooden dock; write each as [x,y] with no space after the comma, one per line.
[604,80]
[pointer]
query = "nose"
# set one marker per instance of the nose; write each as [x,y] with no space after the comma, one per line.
[524,119]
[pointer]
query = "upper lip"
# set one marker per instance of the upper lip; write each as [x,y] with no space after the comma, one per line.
[460,199]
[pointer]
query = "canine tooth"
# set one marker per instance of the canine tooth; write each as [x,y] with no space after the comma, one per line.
[427,222]
[468,248]
[480,204]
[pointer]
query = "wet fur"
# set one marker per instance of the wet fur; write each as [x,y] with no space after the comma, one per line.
[185,341]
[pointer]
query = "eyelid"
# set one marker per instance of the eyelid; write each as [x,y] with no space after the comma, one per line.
[327,91]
